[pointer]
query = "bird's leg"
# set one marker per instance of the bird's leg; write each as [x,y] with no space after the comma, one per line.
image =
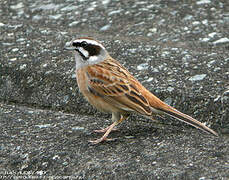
[109,128]
[105,129]
[104,137]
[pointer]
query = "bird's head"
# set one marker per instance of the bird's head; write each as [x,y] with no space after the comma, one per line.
[87,51]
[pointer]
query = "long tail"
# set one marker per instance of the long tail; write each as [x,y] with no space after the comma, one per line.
[166,109]
[187,119]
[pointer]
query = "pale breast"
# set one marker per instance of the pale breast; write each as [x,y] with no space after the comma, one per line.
[95,100]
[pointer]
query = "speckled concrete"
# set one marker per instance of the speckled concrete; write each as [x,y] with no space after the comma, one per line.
[178,50]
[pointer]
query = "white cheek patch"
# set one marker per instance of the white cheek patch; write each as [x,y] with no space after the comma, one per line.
[93,58]
[84,52]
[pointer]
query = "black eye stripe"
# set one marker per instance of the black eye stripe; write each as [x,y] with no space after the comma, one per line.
[76,44]
[80,44]
[92,49]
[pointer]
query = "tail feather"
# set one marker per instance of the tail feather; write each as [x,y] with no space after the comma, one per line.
[187,119]
[159,107]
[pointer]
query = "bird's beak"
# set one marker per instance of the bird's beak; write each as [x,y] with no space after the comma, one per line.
[69,48]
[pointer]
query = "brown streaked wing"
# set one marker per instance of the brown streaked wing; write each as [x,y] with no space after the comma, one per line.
[116,85]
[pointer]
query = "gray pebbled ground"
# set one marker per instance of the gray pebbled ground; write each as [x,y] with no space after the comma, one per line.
[177,49]
[43,143]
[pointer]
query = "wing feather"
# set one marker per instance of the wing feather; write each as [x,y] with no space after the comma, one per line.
[116,85]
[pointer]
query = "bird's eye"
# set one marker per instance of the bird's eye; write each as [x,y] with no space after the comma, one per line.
[84,44]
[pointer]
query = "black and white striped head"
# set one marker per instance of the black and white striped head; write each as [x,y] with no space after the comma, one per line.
[88,52]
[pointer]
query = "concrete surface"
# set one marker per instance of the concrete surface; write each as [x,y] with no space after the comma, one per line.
[177,49]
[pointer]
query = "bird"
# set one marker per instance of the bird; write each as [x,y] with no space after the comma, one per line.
[111,88]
